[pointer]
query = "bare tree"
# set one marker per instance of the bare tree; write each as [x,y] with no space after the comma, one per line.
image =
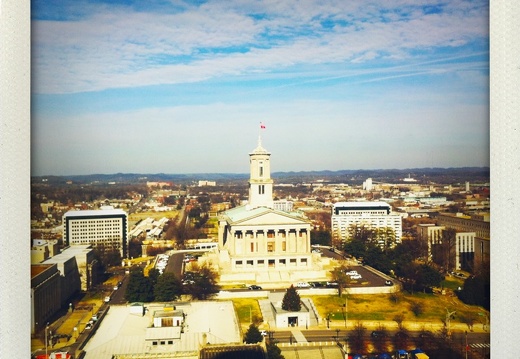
[356,338]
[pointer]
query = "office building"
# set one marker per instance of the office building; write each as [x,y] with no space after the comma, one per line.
[107,228]
[347,217]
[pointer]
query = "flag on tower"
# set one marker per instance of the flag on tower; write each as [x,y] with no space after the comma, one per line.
[262,126]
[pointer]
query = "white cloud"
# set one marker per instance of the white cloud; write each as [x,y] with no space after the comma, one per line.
[116,48]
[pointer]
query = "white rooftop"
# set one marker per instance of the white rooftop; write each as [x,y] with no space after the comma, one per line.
[95,212]
[362,204]
[123,332]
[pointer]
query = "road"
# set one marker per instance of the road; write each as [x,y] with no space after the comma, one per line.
[324,335]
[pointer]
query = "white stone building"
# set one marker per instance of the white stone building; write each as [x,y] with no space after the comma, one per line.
[258,243]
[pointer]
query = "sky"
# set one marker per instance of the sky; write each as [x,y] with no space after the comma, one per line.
[177,86]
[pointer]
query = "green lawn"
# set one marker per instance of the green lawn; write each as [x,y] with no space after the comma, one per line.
[247,309]
[382,307]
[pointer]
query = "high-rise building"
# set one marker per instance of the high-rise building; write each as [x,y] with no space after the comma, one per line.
[347,217]
[107,228]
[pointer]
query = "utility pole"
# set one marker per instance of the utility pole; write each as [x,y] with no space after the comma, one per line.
[448,318]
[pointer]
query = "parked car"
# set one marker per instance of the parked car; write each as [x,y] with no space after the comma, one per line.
[254,287]
[355,276]
[378,334]
[389,282]
[302,285]
[107,299]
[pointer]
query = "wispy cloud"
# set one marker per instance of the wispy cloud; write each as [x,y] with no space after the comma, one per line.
[115,46]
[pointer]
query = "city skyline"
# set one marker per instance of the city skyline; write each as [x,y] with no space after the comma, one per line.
[182,87]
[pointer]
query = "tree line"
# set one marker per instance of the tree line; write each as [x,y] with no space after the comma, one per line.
[202,285]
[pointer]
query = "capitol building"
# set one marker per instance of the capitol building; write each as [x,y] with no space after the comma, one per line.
[260,244]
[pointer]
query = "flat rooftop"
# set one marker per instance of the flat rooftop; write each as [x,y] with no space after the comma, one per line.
[124,333]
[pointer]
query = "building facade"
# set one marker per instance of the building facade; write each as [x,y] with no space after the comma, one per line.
[107,228]
[255,238]
[346,217]
[45,294]
[474,249]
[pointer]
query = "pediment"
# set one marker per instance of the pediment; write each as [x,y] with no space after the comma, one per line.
[272,218]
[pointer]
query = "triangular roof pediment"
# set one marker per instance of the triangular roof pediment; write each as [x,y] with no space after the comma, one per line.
[262,216]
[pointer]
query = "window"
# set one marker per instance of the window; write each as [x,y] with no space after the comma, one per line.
[270,246]
[261,170]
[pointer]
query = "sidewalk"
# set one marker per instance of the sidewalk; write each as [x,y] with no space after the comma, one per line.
[432,326]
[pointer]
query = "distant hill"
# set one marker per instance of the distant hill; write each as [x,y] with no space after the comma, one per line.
[421,175]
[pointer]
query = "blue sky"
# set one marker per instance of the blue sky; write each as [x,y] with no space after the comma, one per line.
[182,86]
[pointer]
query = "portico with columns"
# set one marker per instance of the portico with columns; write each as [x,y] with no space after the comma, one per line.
[256,241]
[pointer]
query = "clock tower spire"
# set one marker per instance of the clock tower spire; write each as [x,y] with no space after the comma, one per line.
[260,182]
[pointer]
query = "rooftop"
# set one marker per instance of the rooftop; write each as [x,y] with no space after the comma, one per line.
[95,212]
[123,333]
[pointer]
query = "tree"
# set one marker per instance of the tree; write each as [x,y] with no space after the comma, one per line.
[204,282]
[476,290]
[399,318]
[321,237]
[167,288]
[356,338]
[291,300]
[339,276]
[273,352]
[417,308]
[253,335]
[428,276]
[139,288]
[443,252]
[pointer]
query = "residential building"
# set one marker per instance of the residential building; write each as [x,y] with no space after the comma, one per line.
[107,227]
[346,217]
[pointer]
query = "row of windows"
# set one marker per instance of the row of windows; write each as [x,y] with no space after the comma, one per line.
[250,263]
[162,342]
[270,233]
[361,213]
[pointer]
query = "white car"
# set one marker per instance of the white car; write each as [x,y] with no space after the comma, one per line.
[357,276]
[302,285]
[352,272]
